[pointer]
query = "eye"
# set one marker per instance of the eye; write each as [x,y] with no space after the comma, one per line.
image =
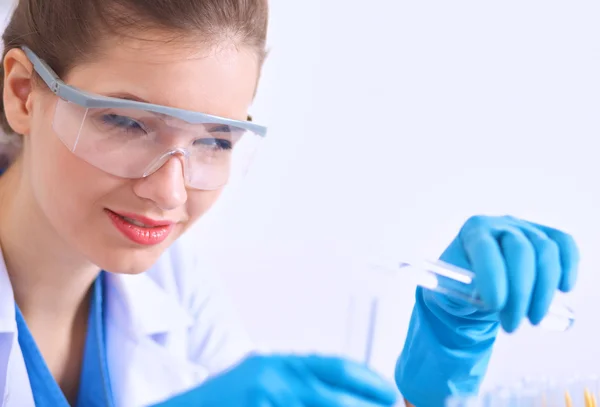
[215,143]
[122,122]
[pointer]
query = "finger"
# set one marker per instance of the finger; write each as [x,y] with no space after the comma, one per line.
[569,255]
[519,256]
[548,275]
[456,255]
[315,393]
[488,265]
[276,389]
[352,378]
[282,393]
[568,251]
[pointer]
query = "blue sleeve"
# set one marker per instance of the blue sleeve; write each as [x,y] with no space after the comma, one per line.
[446,352]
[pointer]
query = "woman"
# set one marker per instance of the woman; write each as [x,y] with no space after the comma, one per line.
[132,116]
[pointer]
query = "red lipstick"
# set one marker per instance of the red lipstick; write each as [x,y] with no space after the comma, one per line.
[140,229]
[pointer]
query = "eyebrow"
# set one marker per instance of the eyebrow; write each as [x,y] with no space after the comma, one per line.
[134,98]
[127,96]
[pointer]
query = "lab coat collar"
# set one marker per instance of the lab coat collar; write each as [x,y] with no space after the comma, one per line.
[148,308]
[8,322]
[143,306]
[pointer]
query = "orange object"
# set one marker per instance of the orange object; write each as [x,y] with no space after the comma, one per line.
[568,400]
[587,396]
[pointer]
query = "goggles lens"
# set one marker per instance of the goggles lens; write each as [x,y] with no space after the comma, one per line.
[134,143]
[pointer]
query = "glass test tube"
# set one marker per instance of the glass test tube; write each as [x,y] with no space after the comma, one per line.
[459,284]
[362,318]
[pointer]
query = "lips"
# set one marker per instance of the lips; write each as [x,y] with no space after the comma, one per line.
[139,229]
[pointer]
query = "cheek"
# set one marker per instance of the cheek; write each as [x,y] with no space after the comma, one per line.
[199,202]
[66,187]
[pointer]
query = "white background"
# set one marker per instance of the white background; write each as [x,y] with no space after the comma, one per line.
[391,122]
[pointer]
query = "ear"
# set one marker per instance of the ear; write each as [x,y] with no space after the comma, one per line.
[18,87]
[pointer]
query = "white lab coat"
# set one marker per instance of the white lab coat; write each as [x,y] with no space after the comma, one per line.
[167,331]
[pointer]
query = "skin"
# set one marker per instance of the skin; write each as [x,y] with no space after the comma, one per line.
[54,202]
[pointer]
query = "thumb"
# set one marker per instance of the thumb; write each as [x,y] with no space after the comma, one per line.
[456,255]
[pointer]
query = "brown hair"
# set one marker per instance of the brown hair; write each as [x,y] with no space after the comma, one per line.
[66,32]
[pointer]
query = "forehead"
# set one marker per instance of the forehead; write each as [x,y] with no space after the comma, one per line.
[215,79]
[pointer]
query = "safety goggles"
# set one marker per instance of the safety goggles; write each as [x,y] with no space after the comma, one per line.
[132,139]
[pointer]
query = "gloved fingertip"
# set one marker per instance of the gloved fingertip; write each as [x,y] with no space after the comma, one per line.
[391,398]
[509,323]
[569,277]
[387,392]
[537,314]
[567,285]
[535,319]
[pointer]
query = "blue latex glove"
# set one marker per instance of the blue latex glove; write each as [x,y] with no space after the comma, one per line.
[291,381]
[518,267]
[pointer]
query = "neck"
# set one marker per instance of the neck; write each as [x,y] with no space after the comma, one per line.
[50,280]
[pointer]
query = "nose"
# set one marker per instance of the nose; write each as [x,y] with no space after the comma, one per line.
[166,186]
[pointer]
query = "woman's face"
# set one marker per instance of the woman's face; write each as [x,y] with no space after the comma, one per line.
[79,200]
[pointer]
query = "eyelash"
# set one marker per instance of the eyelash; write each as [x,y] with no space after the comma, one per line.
[131,125]
[117,121]
[221,144]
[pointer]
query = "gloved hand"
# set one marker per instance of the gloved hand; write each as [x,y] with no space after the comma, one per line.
[518,267]
[291,381]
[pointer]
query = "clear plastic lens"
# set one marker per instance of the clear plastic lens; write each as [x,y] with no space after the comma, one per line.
[133,143]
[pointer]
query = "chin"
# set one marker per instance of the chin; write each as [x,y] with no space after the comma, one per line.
[116,254]
[129,261]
